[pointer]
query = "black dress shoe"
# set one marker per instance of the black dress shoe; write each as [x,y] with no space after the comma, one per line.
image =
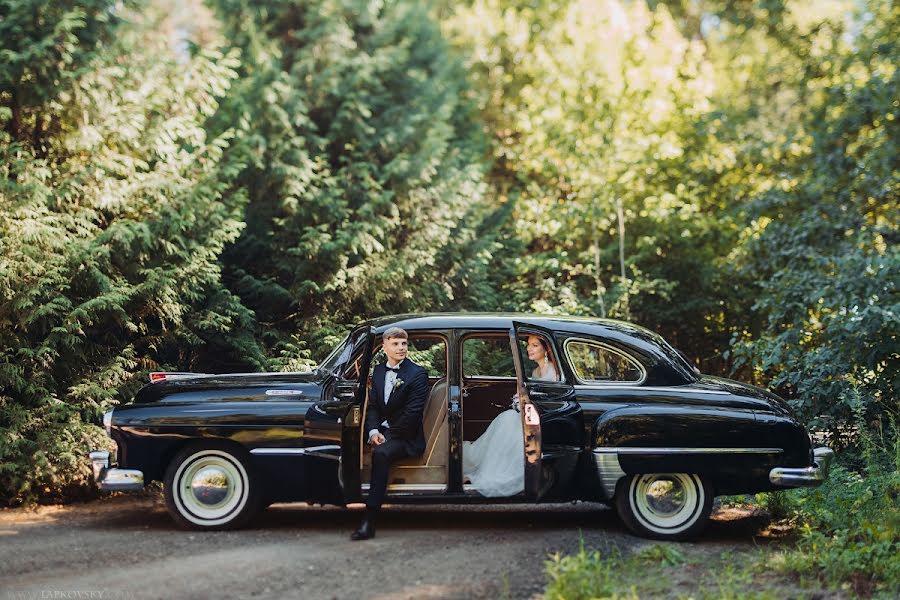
[365,531]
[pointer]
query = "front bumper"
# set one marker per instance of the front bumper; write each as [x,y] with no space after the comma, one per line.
[110,479]
[804,476]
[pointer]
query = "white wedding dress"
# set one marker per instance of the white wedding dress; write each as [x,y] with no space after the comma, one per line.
[495,462]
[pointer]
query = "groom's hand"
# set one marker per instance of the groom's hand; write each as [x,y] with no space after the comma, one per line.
[377,439]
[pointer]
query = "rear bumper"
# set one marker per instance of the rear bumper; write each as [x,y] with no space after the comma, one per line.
[804,476]
[111,479]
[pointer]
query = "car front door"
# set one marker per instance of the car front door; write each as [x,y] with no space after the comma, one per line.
[551,418]
[333,425]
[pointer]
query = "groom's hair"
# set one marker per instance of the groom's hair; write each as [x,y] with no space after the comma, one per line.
[395,332]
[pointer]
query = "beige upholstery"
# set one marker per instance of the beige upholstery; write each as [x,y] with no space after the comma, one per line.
[431,467]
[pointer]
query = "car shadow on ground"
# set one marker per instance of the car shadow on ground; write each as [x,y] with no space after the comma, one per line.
[149,514]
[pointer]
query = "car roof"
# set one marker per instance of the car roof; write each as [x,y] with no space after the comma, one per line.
[656,354]
[501,320]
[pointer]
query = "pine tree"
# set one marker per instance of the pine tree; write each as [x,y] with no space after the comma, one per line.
[364,181]
[115,205]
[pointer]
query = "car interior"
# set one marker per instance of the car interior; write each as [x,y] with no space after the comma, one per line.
[430,469]
[489,383]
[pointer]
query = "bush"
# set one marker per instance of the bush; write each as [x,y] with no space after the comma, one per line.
[586,575]
[850,526]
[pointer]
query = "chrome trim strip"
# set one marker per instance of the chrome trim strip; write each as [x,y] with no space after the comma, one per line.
[812,476]
[410,487]
[609,471]
[650,388]
[320,451]
[636,450]
[612,349]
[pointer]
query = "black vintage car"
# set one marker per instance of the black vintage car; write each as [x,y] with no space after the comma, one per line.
[631,423]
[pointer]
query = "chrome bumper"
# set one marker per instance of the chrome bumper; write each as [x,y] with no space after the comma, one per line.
[112,479]
[804,476]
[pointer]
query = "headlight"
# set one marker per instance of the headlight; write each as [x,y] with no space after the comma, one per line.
[107,421]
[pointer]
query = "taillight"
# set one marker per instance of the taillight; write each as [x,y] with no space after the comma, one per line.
[163,375]
[107,421]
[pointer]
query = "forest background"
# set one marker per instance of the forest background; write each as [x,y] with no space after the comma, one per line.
[229,186]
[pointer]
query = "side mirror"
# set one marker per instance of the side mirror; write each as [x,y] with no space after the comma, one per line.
[345,390]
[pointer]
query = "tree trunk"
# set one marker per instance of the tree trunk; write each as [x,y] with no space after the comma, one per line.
[621,216]
[600,289]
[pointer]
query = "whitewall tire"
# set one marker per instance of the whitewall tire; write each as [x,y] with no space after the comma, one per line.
[211,487]
[664,506]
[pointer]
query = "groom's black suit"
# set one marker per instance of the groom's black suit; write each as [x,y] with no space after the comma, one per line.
[404,435]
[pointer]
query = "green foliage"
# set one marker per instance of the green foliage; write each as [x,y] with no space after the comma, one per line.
[586,575]
[46,48]
[111,225]
[665,554]
[824,247]
[850,526]
[617,163]
[660,570]
[363,180]
[724,173]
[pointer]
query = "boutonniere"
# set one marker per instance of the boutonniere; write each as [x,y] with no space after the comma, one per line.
[397,383]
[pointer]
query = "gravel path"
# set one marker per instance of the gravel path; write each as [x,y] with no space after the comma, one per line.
[128,547]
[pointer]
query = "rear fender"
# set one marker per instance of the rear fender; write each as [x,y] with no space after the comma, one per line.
[722,444]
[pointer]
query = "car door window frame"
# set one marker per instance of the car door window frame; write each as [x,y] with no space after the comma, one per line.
[493,333]
[524,332]
[607,347]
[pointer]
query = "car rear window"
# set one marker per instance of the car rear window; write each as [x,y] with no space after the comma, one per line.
[593,362]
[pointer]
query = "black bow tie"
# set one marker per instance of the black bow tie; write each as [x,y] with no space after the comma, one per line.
[394,369]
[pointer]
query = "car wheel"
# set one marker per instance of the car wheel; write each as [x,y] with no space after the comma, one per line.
[664,506]
[211,487]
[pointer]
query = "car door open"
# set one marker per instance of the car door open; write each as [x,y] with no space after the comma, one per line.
[551,418]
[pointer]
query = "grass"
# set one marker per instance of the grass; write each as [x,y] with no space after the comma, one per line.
[844,539]
[658,571]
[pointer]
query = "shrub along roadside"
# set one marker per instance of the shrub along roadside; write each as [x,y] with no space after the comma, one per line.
[849,528]
[661,570]
[847,538]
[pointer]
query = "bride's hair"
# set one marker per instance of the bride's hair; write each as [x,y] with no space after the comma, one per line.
[548,352]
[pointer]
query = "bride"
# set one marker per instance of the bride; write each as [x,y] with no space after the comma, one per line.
[495,462]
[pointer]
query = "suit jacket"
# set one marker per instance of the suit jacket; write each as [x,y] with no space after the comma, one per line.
[404,408]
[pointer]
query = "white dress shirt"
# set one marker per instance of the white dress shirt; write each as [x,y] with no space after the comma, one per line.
[389,378]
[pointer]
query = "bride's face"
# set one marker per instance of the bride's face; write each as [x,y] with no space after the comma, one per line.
[535,349]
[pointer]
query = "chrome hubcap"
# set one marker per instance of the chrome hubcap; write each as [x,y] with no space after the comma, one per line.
[666,503]
[665,496]
[211,486]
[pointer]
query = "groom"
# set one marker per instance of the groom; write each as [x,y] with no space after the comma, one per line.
[393,419]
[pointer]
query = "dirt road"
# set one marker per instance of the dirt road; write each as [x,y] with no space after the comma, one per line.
[128,547]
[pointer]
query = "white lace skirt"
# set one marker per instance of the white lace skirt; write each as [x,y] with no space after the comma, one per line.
[495,462]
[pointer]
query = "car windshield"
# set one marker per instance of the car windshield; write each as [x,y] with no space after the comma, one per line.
[339,355]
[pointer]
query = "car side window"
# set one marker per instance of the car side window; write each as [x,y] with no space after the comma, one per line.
[487,357]
[431,353]
[594,362]
[428,351]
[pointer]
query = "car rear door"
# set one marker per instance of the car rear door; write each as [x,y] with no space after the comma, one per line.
[552,420]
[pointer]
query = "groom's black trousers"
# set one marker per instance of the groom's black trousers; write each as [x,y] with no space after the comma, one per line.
[383,456]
